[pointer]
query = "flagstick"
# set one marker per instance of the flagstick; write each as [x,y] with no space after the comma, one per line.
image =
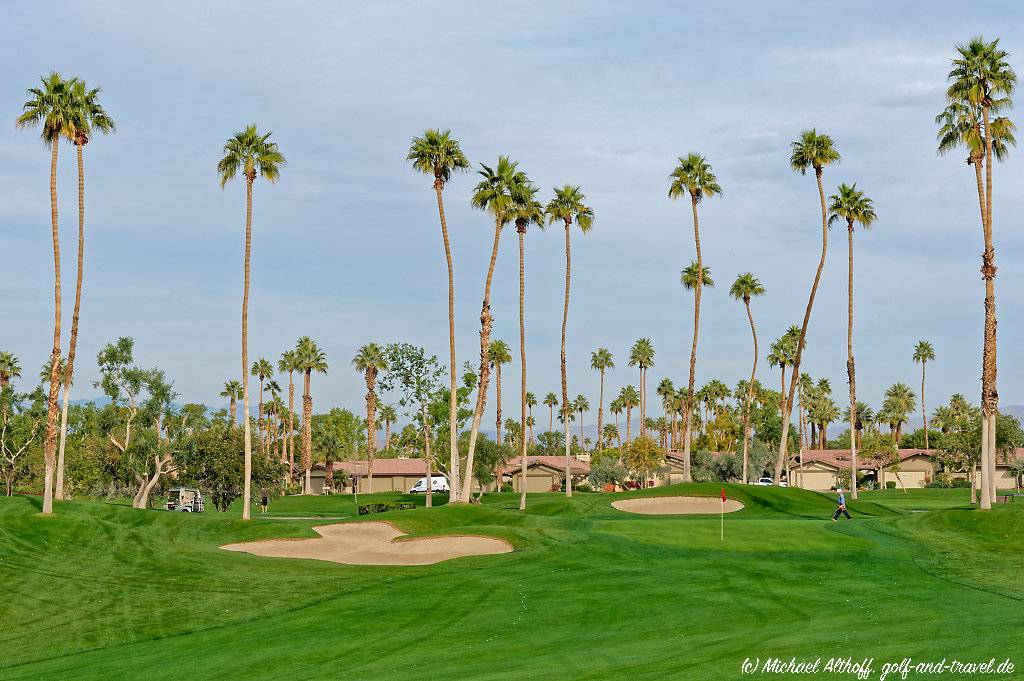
[723,520]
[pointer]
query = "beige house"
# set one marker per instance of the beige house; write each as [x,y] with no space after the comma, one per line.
[822,469]
[544,473]
[389,475]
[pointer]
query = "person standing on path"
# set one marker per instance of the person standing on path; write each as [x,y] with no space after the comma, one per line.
[841,508]
[264,502]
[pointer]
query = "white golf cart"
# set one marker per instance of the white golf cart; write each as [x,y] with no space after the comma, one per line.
[185,500]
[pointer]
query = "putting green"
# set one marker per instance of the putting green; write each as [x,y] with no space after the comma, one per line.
[107,592]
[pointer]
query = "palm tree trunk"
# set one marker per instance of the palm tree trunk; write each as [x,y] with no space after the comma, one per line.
[291,424]
[795,376]
[750,394]
[486,323]
[600,414]
[387,433]
[453,408]
[522,364]
[73,343]
[260,424]
[233,412]
[565,389]
[629,421]
[643,404]
[687,477]
[50,445]
[497,403]
[850,368]
[989,396]
[246,429]
[924,413]
[307,430]
[551,417]
[371,423]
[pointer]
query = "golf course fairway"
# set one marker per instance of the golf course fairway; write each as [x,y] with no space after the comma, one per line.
[102,591]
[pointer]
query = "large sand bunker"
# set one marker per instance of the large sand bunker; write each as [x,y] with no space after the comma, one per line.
[676,505]
[373,543]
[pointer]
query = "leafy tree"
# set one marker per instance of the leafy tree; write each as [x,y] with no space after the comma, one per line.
[644,458]
[22,420]
[255,156]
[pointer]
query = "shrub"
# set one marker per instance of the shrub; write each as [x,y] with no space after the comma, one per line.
[583,487]
[507,487]
[384,507]
[890,484]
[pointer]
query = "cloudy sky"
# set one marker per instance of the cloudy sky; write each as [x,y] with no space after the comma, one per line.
[601,94]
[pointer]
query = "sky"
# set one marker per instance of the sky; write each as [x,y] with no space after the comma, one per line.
[603,95]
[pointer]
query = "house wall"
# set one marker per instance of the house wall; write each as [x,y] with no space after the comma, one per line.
[914,472]
[538,479]
[816,477]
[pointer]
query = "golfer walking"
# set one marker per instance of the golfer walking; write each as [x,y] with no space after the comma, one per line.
[841,506]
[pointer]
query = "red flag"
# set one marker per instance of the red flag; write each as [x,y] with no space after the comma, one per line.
[723,495]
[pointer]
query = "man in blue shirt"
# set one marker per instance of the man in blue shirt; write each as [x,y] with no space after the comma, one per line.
[841,507]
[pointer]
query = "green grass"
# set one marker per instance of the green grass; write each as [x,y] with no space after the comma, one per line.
[106,592]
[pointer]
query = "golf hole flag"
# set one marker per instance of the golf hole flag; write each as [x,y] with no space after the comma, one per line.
[723,514]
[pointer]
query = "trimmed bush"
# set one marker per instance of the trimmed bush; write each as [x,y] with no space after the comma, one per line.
[384,507]
[890,484]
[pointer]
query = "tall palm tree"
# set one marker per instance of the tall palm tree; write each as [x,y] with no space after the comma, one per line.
[289,362]
[568,206]
[899,403]
[262,369]
[526,210]
[87,116]
[850,204]
[581,405]
[52,107]
[232,391]
[982,79]
[369,361]
[255,156]
[924,353]
[499,355]
[309,358]
[641,355]
[615,408]
[10,368]
[629,398]
[389,415]
[270,426]
[437,154]
[815,151]
[496,195]
[601,360]
[744,288]
[667,392]
[550,401]
[693,176]
[531,402]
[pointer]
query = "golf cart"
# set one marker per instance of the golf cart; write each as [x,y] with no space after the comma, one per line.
[185,500]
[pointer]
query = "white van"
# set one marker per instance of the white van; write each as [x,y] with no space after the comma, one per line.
[438,483]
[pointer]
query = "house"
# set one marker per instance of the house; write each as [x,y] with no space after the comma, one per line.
[822,469]
[389,475]
[544,473]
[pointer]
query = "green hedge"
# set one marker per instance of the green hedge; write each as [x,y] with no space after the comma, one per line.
[383,507]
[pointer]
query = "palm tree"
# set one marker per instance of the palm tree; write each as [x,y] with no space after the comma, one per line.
[864,415]
[810,151]
[531,402]
[308,358]
[10,368]
[982,79]
[581,406]
[526,210]
[568,205]
[87,116]
[53,107]
[289,363]
[550,401]
[899,403]
[667,392]
[629,398]
[499,354]
[615,408]
[495,194]
[262,370]
[232,391]
[744,288]
[851,205]
[641,355]
[693,176]
[601,360]
[689,279]
[436,153]
[369,360]
[254,155]
[389,416]
[924,353]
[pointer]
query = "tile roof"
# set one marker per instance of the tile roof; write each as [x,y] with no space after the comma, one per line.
[382,467]
[556,462]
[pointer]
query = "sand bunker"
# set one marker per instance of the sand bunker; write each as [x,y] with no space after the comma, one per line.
[676,505]
[373,543]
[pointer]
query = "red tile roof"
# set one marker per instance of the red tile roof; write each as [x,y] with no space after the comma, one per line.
[840,458]
[383,467]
